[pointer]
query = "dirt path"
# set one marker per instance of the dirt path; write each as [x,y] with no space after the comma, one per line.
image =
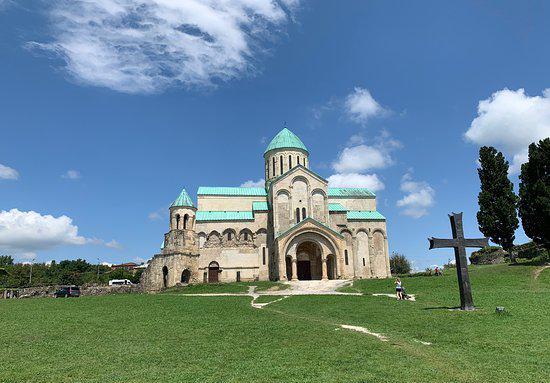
[537,272]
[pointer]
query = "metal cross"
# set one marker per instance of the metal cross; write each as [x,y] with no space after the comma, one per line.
[459,243]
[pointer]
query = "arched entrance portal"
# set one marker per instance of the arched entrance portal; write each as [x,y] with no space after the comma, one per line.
[165,277]
[213,271]
[309,265]
[185,276]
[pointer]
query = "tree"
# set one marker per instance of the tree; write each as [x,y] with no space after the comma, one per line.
[534,193]
[497,216]
[6,260]
[399,264]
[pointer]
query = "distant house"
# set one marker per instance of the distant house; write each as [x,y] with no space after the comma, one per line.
[129,266]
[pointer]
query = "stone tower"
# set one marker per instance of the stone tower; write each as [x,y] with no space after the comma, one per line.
[178,261]
[182,236]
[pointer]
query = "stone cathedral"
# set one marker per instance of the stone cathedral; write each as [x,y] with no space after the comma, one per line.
[294,228]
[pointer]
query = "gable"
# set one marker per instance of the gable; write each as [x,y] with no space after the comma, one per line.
[297,170]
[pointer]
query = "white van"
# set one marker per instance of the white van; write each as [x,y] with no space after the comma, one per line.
[119,282]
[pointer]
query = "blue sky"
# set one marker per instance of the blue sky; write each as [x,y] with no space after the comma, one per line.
[98,125]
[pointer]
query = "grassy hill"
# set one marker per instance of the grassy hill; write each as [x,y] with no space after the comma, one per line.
[175,338]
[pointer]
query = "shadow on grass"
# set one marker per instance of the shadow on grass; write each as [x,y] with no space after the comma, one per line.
[442,308]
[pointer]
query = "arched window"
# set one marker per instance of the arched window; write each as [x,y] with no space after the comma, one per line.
[185,221]
[346,257]
[229,236]
[177,221]
[281,163]
[165,276]
[297,214]
[298,159]
[273,166]
[245,236]
[304,215]
[290,162]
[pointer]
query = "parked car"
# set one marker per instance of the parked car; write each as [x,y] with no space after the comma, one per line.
[68,291]
[119,282]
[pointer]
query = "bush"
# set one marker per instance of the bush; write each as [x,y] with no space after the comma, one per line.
[399,264]
[488,255]
[531,251]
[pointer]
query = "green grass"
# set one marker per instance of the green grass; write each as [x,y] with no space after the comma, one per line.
[171,338]
[236,287]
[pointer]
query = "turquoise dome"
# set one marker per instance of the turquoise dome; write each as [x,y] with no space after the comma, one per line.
[285,139]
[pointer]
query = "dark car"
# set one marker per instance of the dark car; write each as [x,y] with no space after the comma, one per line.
[68,291]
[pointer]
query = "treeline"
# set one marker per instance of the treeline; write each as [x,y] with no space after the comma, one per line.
[67,272]
[499,206]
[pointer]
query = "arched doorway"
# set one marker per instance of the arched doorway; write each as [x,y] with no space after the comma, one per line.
[213,271]
[309,264]
[165,277]
[185,276]
[330,266]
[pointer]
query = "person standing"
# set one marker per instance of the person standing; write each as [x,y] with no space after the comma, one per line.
[398,289]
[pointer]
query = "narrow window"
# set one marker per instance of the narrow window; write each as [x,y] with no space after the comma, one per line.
[245,236]
[263,255]
[281,161]
[177,221]
[346,257]
[290,162]
[229,236]
[363,261]
[238,276]
[298,159]
[304,215]
[273,166]
[297,214]
[185,220]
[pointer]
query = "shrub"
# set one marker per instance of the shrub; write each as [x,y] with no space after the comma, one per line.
[531,250]
[488,255]
[399,264]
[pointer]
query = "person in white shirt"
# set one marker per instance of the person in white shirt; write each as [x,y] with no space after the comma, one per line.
[398,289]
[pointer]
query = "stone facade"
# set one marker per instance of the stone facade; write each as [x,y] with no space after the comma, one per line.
[295,228]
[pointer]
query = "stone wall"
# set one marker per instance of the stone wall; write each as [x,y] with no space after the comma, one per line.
[166,270]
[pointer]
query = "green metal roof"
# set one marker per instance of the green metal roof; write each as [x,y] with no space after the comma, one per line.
[183,200]
[232,191]
[203,216]
[365,215]
[336,207]
[260,206]
[350,192]
[286,139]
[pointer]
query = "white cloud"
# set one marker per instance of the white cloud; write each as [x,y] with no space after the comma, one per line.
[113,244]
[26,232]
[369,181]
[145,46]
[419,197]
[29,231]
[511,120]
[8,173]
[361,106]
[159,214]
[360,157]
[72,175]
[253,184]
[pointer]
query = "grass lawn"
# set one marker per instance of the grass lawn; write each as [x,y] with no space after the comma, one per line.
[173,338]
